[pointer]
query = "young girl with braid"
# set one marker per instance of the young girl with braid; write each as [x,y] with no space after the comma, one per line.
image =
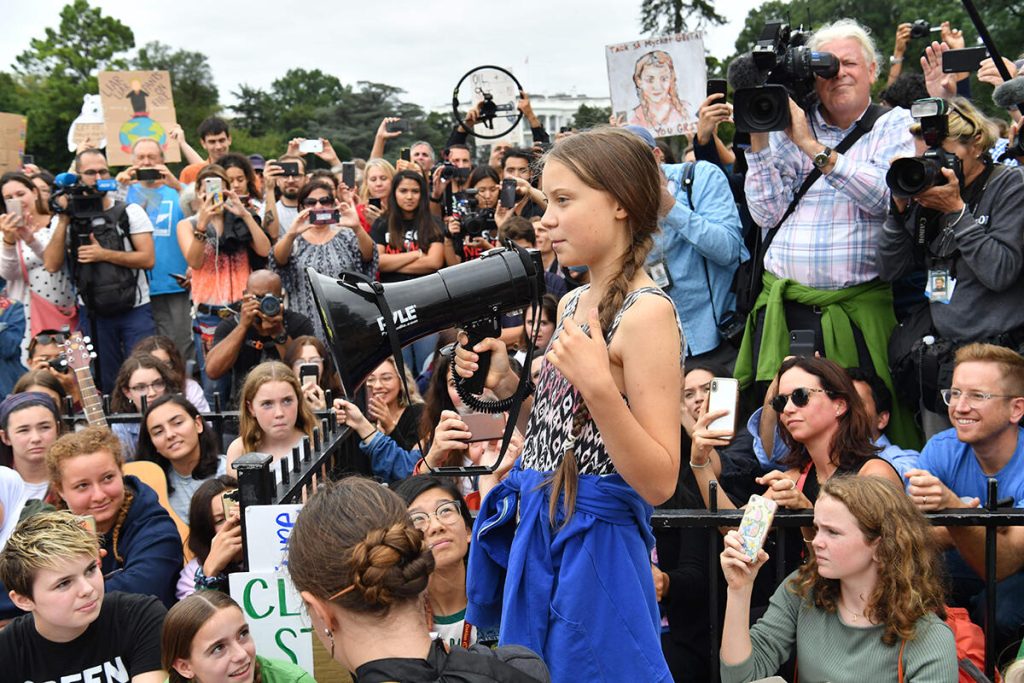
[143,548]
[561,547]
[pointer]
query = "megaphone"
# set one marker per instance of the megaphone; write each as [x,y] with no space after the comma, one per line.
[471,295]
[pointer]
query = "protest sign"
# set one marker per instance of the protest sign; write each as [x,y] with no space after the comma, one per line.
[267,528]
[658,83]
[273,609]
[136,105]
[12,141]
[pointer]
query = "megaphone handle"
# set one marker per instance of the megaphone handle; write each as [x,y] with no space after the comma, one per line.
[476,332]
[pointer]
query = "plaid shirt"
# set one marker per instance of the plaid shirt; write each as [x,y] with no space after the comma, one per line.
[829,240]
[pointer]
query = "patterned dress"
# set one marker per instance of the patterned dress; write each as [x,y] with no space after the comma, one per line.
[551,418]
[340,253]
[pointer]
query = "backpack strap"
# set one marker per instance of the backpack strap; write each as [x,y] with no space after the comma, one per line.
[689,170]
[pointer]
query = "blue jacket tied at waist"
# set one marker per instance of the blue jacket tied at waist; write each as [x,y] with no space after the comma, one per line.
[581,595]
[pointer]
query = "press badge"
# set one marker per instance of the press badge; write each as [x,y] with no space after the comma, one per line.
[940,286]
[658,270]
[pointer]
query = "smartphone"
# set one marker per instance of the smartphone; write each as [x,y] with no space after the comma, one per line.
[214,188]
[289,167]
[148,174]
[508,193]
[404,154]
[180,279]
[723,396]
[324,217]
[88,522]
[374,202]
[230,500]
[801,343]
[13,207]
[964,59]
[311,146]
[308,372]
[348,174]
[718,86]
[27,159]
[484,426]
[756,522]
[397,126]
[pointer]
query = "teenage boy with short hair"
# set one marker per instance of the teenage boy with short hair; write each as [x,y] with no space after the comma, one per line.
[73,632]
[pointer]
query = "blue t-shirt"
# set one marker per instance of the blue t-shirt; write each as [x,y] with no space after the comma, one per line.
[161,205]
[954,463]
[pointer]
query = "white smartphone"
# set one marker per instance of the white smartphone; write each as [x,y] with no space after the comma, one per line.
[311,146]
[215,189]
[13,207]
[723,395]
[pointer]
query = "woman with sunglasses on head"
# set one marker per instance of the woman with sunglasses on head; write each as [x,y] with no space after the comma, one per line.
[141,377]
[823,422]
[867,605]
[222,243]
[325,236]
[437,508]
[26,227]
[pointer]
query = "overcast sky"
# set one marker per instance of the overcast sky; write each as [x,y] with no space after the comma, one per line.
[423,47]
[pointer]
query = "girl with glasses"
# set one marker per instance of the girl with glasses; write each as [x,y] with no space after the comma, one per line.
[141,376]
[437,509]
[327,237]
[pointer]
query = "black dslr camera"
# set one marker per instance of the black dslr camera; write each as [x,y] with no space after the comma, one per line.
[474,221]
[791,68]
[913,175]
[920,29]
[450,171]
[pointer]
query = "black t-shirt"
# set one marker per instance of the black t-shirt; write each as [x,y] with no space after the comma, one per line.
[123,642]
[256,349]
[410,242]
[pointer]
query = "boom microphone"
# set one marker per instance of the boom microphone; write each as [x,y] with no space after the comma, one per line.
[1009,94]
[743,73]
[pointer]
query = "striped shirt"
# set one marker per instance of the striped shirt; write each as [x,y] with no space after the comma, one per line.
[829,241]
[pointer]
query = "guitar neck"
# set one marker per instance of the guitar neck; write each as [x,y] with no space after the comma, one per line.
[92,403]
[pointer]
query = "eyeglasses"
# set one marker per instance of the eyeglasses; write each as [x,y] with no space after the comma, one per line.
[102,172]
[447,513]
[158,385]
[323,201]
[800,396]
[47,339]
[951,396]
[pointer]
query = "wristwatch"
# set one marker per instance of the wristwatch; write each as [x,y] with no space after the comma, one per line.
[821,158]
[281,338]
[894,60]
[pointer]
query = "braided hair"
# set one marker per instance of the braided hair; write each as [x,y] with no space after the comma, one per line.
[618,163]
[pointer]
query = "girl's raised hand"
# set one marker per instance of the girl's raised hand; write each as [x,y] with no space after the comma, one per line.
[582,357]
[739,570]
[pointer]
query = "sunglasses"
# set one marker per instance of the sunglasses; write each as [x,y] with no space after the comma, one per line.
[47,339]
[323,201]
[800,397]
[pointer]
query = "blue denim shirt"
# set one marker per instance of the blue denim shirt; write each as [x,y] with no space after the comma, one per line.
[711,234]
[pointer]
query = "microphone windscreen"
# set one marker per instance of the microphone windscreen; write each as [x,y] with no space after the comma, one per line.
[743,73]
[66,179]
[1009,94]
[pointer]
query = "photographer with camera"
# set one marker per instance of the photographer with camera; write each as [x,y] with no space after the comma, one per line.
[261,331]
[151,185]
[471,227]
[110,246]
[959,217]
[46,352]
[819,258]
[517,164]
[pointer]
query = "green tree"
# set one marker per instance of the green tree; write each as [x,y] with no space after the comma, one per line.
[58,69]
[195,95]
[677,16]
[588,117]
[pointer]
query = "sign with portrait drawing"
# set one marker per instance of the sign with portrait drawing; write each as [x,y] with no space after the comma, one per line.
[658,83]
[136,105]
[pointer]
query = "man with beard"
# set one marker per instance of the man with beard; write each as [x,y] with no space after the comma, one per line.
[281,195]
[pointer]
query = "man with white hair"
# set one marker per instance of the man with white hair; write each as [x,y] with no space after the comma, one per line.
[821,258]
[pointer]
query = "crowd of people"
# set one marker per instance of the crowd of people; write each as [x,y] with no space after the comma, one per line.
[878,375]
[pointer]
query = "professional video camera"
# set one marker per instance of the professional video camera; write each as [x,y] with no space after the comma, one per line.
[779,66]
[913,175]
[83,203]
[474,221]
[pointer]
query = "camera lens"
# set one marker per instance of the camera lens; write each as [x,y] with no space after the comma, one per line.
[908,177]
[270,305]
